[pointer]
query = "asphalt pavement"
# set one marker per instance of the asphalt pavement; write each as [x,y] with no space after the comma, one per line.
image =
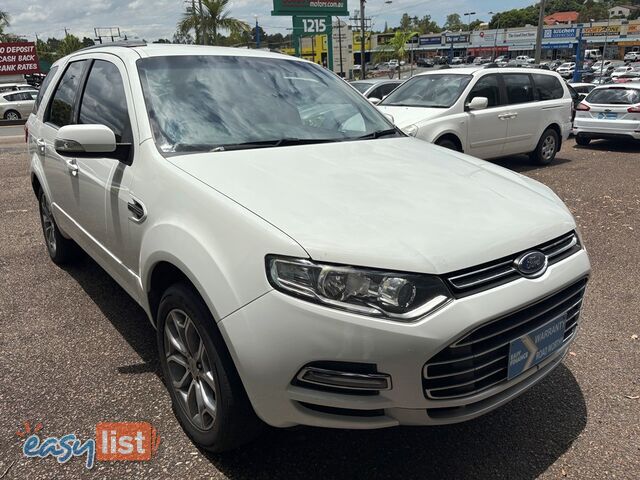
[75,351]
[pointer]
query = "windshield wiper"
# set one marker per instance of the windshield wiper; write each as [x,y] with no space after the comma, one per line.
[282,142]
[379,134]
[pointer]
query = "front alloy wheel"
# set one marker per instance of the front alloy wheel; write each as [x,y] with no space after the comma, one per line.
[190,372]
[208,397]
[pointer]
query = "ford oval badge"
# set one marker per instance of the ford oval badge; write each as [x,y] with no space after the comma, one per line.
[532,264]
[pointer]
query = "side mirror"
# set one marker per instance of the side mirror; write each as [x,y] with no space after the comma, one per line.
[390,118]
[76,140]
[478,103]
[374,100]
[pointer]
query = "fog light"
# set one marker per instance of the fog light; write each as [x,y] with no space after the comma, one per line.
[346,380]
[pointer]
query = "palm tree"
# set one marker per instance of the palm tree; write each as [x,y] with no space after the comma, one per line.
[207,18]
[398,44]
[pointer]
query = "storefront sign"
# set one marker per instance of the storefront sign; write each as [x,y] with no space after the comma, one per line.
[464,38]
[559,33]
[430,40]
[523,36]
[613,30]
[633,30]
[550,46]
[18,58]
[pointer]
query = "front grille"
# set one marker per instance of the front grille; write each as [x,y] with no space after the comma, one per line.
[479,360]
[489,275]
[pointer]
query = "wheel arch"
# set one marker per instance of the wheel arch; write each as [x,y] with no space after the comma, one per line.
[556,128]
[452,136]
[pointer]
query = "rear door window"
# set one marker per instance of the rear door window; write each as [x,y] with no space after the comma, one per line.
[519,88]
[62,105]
[614,96]
[548,87]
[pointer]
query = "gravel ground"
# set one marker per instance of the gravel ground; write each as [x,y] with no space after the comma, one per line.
[75,350]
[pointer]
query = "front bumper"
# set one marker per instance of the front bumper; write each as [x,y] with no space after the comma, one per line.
[272,338]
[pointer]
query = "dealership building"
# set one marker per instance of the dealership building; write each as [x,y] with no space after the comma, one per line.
[558,41]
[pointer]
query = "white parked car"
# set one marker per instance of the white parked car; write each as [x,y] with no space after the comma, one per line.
[486,113]
[566,69]
[632,57]
[621,71]
[609,112]
[17,104]
[524,60]
[376,90]
[303,261]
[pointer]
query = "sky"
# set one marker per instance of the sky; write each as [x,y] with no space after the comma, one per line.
[153,19]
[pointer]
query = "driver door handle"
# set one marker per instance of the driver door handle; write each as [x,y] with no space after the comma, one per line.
[72,165]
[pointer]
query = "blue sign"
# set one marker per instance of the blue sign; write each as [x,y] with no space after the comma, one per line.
[430,40]
[557,45]
[559,33]
[456,38]
[532,348]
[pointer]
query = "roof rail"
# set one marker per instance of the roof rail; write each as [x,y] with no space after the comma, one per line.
[124,43]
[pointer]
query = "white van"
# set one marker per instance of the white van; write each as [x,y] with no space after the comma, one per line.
[486,113]
[592,54]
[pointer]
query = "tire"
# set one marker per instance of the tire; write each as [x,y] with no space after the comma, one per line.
[582,140]
[11,115]
[61,250]
[446,143]
[547,148]
[206,391]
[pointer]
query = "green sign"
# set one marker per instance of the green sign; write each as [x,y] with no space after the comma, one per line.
[310,7]
[309,26]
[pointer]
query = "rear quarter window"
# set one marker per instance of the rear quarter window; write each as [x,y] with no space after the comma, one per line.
[548,87]
[44,87]
[614,96]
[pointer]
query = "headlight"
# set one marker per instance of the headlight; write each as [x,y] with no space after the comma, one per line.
[411,130]
[398,296]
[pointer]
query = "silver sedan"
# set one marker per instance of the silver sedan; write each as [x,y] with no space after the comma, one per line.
[17,105]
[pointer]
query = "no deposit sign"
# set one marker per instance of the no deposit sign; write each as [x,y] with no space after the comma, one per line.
[18,58]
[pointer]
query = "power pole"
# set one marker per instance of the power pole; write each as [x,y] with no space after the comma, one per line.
[340,46]
[540,31]
[363,63]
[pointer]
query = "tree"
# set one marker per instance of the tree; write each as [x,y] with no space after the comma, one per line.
[69,44]
[87,42]
[184,38]
[453,22]
[5,20]
[398,44]
[210,20]
[405,22]
[426,25]
[592,10]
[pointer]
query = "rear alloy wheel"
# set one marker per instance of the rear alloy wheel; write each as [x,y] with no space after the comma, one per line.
[61,250]
[12,115]
[547,148]
[582,140]
[207,394]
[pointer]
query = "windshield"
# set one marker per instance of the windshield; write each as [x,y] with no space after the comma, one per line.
[204,103]
[614,96]
[566,65]
[429,91]
[361,86]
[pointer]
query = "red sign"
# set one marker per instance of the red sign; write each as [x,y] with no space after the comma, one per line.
[18,58]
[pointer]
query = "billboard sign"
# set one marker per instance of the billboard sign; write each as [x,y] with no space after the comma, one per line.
[18,58]
[309,26]
[601,31]
[522,36]
[310,7]
[430,40]
[462,38]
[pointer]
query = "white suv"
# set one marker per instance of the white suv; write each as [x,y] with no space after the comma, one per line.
[303,261]
[486,113]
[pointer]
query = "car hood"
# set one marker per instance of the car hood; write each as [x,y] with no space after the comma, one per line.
[405,116]
[398,204]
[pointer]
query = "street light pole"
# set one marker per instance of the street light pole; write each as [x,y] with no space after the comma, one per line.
[540,30]
[362,41]
[495,38]
[604,50]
